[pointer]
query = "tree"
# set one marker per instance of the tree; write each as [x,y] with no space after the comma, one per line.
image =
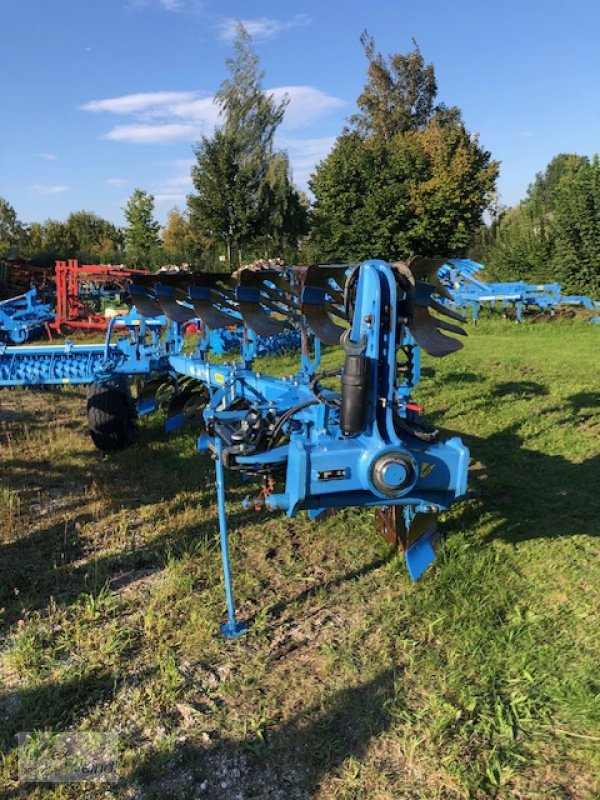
[576,229]
[250,115]
[83,235]
[176,237]
[12,232]
[552,235]
[216,214]
[35,238]
[285,210]
[362,201]
[519,246]
[57,240]
[542,192]
[90,235]
[244,196]
[455,185]
[399,94]
[407,178]
[142,242]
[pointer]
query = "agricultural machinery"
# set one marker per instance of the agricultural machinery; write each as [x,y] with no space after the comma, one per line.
[470,293]
[310,447]
[76,297]
[24,316]
[82,288]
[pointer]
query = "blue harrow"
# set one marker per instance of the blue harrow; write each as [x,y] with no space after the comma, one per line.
[471,293]
[311,448]
[23,316]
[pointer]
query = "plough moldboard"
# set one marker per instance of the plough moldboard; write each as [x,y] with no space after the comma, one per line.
[312,448]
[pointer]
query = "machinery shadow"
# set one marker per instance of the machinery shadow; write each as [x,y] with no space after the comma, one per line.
[532,494]
[293,757]
[519,389]
[276,610]
[50,706]
[47,552]
[57,562]
[288,760]
[587,400]
[461,377]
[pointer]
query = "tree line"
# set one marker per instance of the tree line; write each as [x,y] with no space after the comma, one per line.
[405,176]
[553,234]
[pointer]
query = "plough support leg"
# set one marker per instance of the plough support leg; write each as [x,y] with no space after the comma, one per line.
[232,628]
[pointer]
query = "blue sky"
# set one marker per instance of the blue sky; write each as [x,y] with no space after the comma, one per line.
[101,96]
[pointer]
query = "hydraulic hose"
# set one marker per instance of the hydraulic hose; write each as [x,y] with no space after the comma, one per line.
[287,415]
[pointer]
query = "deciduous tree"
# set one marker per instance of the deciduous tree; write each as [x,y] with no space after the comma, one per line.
[576,228]
[142,242]
[407,177]
[553,234]
[12,231]
[244,200]
[176,237]
[399,94]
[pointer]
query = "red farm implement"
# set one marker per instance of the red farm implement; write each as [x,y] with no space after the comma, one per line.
[82,289]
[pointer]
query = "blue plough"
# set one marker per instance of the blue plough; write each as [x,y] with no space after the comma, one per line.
[312,448]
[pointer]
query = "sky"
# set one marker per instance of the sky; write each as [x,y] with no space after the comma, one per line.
[99,97]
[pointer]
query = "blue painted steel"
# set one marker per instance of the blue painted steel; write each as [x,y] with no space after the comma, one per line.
[323,468]
[23,316]
[580,300]
[223,341]
[471,293]
[419,557]
[68,363]
[232,628]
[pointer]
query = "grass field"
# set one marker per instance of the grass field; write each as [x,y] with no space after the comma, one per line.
[482,680]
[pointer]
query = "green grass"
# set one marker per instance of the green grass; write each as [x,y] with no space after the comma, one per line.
[481,680]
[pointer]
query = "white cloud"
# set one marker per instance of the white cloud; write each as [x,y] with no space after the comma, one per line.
[306,104]
[48,188]
[153,134]
[48,156]
[260,28]
[169,198]
[116,181]
[142,102]
[175,6]
[203,110]
[167,117]
[159,117]
[305,154]
[179,180]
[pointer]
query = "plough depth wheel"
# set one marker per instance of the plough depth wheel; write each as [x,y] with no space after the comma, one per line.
[111,416]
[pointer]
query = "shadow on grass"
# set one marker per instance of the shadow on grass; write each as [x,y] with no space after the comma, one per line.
[55,562]
[51,706]
[286,761]
[55,558]
[278,609]
[587,400]
[520,389]
[461,377]
[532,494]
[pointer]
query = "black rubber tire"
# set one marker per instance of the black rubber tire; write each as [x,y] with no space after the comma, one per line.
[111,416]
